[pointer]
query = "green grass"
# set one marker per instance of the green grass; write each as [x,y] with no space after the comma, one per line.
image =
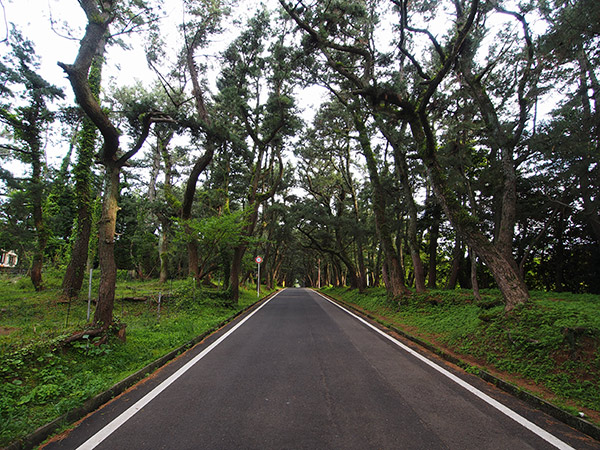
[554,341]
[39,383]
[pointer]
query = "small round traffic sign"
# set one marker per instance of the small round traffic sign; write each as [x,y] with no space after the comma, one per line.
[258,260]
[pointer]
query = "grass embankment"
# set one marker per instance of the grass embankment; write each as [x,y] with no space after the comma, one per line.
[39,382]
[550,347]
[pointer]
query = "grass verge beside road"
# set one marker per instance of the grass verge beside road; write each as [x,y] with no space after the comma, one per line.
[40,381]
[550,347]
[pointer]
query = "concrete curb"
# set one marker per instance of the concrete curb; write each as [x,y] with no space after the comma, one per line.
[573,421]
[44,432]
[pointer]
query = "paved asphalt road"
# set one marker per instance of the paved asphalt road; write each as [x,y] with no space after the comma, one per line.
[301,373]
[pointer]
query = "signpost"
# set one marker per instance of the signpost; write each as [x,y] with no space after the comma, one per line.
[258,260]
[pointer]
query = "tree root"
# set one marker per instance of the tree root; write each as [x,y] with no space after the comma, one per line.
[87,333]
[115,328]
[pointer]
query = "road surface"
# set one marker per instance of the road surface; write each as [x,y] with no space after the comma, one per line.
[302,373]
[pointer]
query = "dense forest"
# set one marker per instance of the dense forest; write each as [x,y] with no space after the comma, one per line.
[451,143]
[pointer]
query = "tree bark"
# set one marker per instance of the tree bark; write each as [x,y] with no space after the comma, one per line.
[558,258]
[74,274]
[503,267]
[457,255]
[255,199]
[434,232]
[505,271]
[78,74]
[498,256]
[165,217]
[360,257]
[186,208]
[394,279]
[201,163]
[500,140]
[235,272]
[403,173]
[362,269]
[474,282]
[106,248]
[589,172]
[38,219]
[163,252]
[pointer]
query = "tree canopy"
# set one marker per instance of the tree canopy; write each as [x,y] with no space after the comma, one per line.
[410,144]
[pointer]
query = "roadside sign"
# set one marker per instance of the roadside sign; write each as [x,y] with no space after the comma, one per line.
[258,260]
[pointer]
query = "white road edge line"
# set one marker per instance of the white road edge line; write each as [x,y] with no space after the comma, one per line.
[105,432]
[486,398]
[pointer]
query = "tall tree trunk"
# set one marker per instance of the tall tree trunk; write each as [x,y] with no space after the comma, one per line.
[78,76]
[558,258]
[74,274]
[457,255]
[154,170]
[362,269]
[78,73]
[503,268]
[164,217]
[590,170]
[351,270]
[163,252]
[497,256]
[238,255]
[403,173]
[415,254]
[358,239]
[505,271]
[106,248]
[474,282]
[337,272]
[434,233]
[235,272]
[378,268]
[186,208]
[38,220]
[201,163]
[395,281]
[360,256]
[319,274]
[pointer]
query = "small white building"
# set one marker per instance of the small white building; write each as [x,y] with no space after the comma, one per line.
[8,259]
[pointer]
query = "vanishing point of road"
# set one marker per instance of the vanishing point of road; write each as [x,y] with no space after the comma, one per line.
[300,372]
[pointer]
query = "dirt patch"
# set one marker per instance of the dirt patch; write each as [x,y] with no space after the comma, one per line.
[5,331]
